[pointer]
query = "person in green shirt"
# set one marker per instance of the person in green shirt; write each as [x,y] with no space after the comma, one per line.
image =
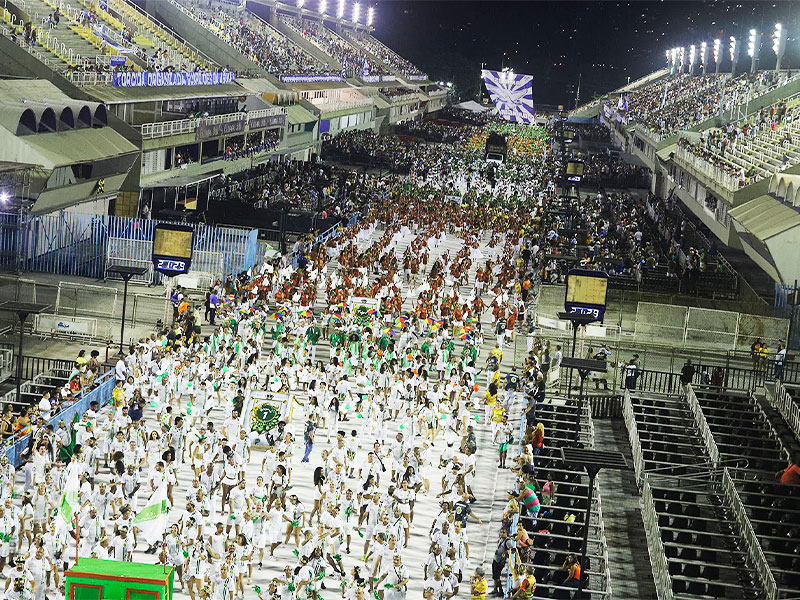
[337,339]
[312,336]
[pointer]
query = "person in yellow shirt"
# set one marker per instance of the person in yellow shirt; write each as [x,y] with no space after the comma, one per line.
[478,585]
[498,414]
[489,400]
[118,394]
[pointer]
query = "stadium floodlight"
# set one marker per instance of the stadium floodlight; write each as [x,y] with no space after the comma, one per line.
[674,58]
[734,51]
[356,12]
[778,44]
[4,197]
[370,15]
[300,3]
[753,48]
[717,53]
[703,56]
[323,6]
[667,53]
[340,11]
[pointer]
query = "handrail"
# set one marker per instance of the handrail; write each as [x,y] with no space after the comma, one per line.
[655,547]
[182,126]
[633,436]
[789,409]
[754,550]
[702,425]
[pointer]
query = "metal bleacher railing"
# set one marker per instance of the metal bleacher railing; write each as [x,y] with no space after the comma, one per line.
[702,425]
[786,405]
[633,436]
[17,445]
[754,550]
[655,547]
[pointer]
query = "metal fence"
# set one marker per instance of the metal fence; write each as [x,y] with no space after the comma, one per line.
[692,327]
[78,244]
[785,403]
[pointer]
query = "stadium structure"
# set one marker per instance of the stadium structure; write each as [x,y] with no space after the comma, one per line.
[110,107]
[169,94]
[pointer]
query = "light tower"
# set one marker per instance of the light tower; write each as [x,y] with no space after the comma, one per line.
[703,56]
[753,48]
[778,45]
[734,51]
[717,55]
[692,57]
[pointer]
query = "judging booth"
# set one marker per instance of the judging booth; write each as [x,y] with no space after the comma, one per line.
[94,579]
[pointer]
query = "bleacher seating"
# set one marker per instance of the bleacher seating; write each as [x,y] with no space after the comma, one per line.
[740,428]
[355,61]
[147,27]
[714,539]
[773,510]
[678,103]
[755,148]
[553,535]
[385,54]
[257,40]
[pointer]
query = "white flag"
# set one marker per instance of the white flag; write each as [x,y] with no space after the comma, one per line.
[151,521]
[69,504]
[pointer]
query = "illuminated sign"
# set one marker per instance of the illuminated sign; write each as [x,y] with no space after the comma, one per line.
[586,293]
[172,248]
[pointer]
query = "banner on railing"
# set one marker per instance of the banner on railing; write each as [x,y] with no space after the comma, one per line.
[164,78]
[310,78]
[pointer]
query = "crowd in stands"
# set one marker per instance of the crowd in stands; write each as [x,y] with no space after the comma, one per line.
[321,188]
[354,62]
[259,42]
[390,58]
[591,132]
[772,124]
[610,170]
[684,101]
[431,131]
[272,140]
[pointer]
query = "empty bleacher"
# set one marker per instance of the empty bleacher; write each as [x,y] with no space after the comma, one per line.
[696,549]
[730,531]
[740,428]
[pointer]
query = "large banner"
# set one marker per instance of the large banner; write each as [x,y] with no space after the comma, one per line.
[166,78]
[511,93]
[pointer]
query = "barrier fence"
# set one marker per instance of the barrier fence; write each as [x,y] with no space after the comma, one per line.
[633,436]
[67,243]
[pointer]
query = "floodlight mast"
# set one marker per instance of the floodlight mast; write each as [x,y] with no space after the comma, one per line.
[778,45]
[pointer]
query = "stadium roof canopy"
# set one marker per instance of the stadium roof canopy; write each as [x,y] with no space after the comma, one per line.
[123,95]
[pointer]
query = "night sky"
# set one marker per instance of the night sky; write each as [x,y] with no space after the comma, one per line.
[605,42]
